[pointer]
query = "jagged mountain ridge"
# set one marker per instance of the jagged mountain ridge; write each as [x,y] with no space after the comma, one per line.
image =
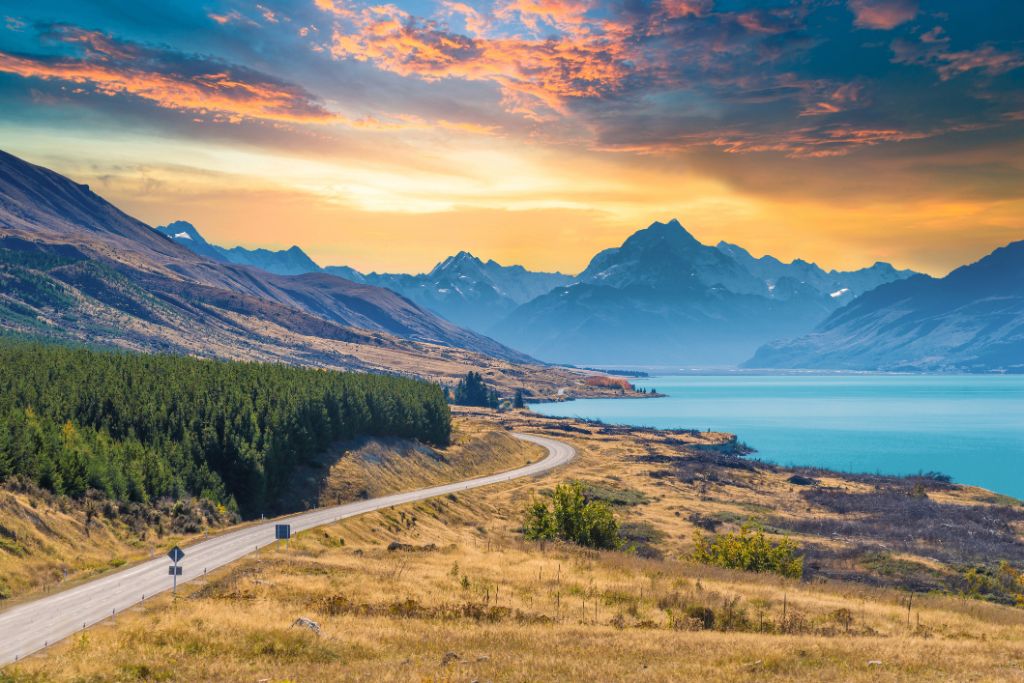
[462,289]
[782,279]
[663,297]
[292,261]
[469,291]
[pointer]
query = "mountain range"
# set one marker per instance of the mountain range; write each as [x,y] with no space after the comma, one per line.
[469,291]
[292,261]
[664,298]
[661,297]
[462,288]
[972,320]
[74,267]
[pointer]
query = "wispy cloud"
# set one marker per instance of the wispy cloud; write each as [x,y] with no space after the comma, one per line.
[206,88]
[536,76]
[949,63]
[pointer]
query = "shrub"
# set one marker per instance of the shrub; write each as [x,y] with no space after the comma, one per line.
[1002,583]
[749,550]
[572,518]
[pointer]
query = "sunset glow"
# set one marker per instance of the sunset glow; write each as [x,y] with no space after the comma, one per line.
[389,136]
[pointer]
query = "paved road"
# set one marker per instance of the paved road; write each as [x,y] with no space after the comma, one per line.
[34,625]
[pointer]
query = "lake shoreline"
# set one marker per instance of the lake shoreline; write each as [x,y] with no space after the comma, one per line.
[883,424]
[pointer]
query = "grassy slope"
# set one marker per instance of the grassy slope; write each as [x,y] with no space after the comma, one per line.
[46,542]
[42,535]
[89,302]
[525,612]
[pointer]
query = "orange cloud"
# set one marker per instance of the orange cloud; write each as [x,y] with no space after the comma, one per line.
[536,76]
[686,8]
[810,142]
[568,15]
[882,14]
[217,94]
[841,99]
[210,88]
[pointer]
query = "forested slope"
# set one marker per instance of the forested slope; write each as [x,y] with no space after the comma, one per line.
[139,427]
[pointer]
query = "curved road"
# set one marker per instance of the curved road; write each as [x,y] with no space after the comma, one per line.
[34,625]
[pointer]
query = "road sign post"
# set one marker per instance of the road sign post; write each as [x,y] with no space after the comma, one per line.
[176,554]
[283,532]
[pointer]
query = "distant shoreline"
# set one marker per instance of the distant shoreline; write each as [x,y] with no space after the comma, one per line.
[864,423]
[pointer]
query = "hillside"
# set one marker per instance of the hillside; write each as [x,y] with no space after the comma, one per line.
[75,268]
[446,589]
[43,212]
[50,541]
[972,320]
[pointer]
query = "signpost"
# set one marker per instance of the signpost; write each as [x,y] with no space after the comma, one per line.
[283,532]
[176,554]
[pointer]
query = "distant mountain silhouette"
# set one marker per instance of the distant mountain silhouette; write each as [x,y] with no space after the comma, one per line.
[972,320]
[665,298]
[76,267]
[471,292]
[462,288]
[291,261]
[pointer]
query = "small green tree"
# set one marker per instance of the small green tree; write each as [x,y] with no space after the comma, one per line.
[573,519]
[749,550]
[540,523]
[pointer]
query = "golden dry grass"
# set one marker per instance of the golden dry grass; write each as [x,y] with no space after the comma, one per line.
[465,583]
[48,542]
[522,613]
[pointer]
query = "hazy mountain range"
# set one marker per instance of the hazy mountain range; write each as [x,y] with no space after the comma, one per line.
[665,298]
[662,297]
[287,262]
[972,320]
[462,288]
[73,266]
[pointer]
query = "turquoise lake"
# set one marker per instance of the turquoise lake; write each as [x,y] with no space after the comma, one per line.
[968,427]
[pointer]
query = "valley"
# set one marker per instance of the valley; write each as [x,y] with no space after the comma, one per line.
[525,340]
[77,270]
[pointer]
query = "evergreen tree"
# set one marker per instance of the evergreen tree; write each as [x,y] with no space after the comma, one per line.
[472,391]
[518,401]
[138,427]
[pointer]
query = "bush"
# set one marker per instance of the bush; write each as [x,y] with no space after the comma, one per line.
[749,550]
[573,519]
[1003,583]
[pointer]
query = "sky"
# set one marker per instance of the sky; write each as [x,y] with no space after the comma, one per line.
[389,136]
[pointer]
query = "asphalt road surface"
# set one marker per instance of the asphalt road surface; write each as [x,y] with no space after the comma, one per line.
[31,626]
